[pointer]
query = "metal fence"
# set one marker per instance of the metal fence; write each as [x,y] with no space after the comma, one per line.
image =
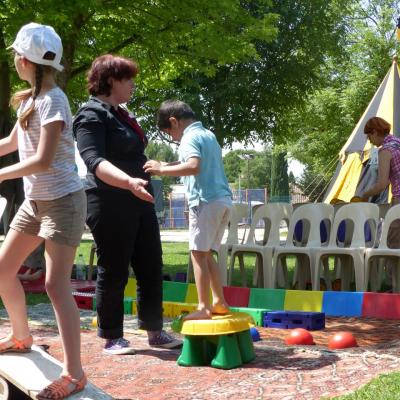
[175,213]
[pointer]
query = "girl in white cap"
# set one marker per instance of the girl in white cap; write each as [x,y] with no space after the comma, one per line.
[54,209]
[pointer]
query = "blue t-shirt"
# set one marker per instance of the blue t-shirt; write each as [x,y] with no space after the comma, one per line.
[211,183]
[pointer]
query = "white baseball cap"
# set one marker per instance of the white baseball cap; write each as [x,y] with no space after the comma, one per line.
[34,40]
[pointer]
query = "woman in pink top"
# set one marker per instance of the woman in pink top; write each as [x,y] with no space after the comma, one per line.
[377,130]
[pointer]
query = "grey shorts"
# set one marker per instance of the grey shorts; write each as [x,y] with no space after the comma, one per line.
[61,220]
[207,223]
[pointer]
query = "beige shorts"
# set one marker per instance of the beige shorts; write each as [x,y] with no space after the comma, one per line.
[207,224]
[61,220]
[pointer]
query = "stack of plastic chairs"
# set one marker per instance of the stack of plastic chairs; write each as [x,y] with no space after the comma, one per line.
[272,214]
[356,215]
[313,216]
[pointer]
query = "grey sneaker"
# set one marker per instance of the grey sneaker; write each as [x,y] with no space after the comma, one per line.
[118,346]
[165,341]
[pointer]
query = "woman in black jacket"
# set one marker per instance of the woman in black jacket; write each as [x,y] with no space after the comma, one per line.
[121,212]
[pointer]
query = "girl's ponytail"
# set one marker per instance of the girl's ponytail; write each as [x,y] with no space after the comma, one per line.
[23,95]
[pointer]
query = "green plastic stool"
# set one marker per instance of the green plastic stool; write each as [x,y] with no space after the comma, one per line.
[193,352]
[223,342]
[246,346]
[228,353]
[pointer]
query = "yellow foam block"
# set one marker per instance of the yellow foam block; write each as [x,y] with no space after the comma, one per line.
[218,325]
[168,309]
[303,300]
[180,308]
[130,288]
[191,294]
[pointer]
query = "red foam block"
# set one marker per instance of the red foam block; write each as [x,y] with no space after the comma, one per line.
[84,301]
[236,296]
[381,305]
[38,285]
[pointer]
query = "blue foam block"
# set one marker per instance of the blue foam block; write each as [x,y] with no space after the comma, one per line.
[295,319]
[342,304]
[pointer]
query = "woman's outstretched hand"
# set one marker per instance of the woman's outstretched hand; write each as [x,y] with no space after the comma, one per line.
[138,187]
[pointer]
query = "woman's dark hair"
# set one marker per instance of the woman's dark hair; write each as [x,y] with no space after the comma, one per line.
[173,108]
[109,66]
[378,124]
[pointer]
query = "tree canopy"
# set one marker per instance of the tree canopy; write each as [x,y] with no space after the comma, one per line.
[244,100]
[319,128]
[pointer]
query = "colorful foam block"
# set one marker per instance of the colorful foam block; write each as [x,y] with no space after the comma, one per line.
[272,299]
[256,313]
[381,305]
[294,319]
[343,304]
[183,308]
[175,291]
[84,301]
[168,309]
[303,300]
[128,305]
[130,288]
[191,294]
[236,296]
[134,308]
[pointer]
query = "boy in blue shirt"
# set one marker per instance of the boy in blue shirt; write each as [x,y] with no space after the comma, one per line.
[209,197]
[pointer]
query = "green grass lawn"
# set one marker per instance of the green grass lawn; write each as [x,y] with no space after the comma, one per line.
[384,387]
[176,255]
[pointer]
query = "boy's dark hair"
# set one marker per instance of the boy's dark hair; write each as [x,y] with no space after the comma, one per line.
[173,108]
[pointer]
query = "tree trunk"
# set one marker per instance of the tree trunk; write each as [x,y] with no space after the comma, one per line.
[10,189]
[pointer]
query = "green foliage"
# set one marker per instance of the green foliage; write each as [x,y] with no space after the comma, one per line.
[317,130]
[279,176]
[254,172]
[244,101]
[313,184]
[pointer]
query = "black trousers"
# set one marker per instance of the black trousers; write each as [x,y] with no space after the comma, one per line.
[126,232]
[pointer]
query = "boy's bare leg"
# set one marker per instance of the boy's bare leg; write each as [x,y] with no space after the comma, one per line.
[202,278]
[219,304]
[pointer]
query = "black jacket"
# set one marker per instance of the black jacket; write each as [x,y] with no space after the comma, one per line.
[102,134]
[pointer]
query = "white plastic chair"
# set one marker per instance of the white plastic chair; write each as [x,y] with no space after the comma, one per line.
[381,252]
[272,214]
[356,216]
[311,216]
[239,212]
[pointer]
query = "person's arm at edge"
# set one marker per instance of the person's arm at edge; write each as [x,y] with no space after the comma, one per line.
[189,167]
[9,144]
[49,137]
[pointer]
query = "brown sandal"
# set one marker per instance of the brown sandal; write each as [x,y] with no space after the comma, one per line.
[61,388]
[16,346]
